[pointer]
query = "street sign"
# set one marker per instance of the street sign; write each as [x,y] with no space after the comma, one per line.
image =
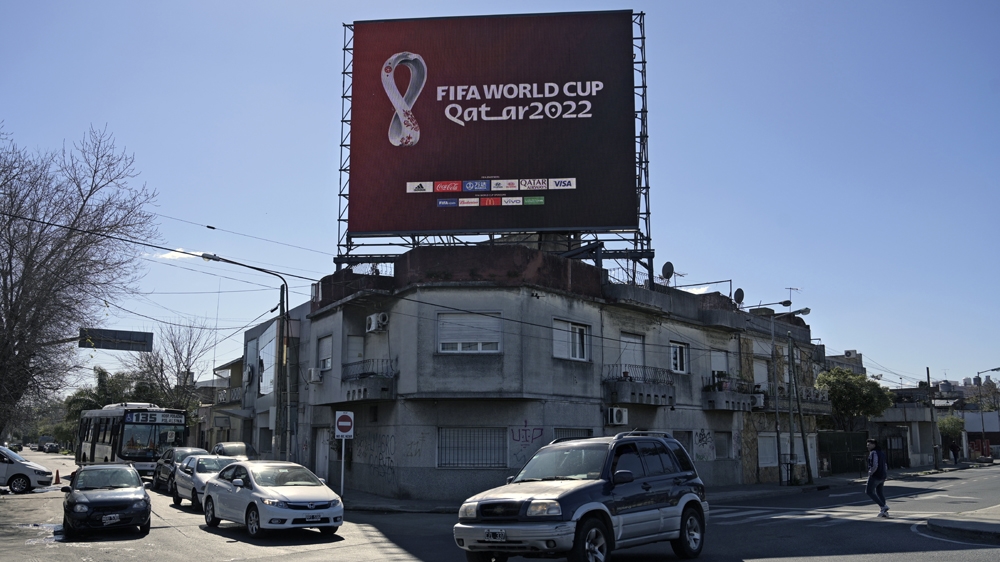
[121,340]
[344,425]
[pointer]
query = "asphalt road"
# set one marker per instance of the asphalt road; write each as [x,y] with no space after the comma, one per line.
[836,525]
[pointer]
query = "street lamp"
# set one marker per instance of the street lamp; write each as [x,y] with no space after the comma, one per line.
[281,343]
[982,420]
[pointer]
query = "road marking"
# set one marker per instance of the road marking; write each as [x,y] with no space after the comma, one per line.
[738,513]
[842,495]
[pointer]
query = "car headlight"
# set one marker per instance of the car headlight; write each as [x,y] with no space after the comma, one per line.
[544,507]
[141,504]
[468,510]
[334,503]
[274,503]
[81,508]
[41,473]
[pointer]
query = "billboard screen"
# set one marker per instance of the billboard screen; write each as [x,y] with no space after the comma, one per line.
[491,124]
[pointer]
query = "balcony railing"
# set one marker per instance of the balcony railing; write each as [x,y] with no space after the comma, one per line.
[368,368]
[637,373]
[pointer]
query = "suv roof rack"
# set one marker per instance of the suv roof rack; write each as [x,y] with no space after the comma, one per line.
[642,433]
[565,439]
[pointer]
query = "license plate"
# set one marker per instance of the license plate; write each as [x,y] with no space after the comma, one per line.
[313,518]
[496,535]
[109,519]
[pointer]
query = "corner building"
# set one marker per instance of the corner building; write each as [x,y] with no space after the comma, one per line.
[465,361]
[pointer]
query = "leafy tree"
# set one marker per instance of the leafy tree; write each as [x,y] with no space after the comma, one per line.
[986,396]
[854,397]
[951,427]
[66,225]
[109,389]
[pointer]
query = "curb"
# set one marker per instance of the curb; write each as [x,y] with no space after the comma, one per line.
[951,528]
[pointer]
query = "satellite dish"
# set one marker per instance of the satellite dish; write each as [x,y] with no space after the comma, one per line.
[668,270]
[738,297]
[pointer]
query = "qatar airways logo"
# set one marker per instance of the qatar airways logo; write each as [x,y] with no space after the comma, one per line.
[403,129]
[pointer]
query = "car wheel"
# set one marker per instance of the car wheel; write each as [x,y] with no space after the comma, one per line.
[253,522]
[328,530]
[210,519]
[485,557]
[69,533]
[176,496]
[591,542]
[195,504]
[19,484]
[692,538]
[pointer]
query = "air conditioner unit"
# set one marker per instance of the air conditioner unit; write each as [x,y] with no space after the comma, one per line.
[315,375]
[376,322]
[850,353]
[617,416]
[756,401]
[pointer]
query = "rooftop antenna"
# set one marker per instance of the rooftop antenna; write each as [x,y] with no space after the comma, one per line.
[790,289]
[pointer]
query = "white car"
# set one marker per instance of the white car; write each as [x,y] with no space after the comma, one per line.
[21,475]
[193,473]
[272,495]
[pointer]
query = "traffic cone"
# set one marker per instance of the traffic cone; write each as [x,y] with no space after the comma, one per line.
[56,481]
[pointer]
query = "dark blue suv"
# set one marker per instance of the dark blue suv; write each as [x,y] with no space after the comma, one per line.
[584,497]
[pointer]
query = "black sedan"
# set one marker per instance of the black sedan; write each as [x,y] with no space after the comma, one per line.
[105,496]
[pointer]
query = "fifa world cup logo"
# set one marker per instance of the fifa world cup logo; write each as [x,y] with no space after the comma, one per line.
[403,129]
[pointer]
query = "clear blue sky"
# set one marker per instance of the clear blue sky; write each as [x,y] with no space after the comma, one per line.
[847,149]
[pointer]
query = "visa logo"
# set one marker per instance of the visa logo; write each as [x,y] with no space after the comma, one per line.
[447,202]
[540,183]
[447,186]
[476,185]
[508,201]
[562,183]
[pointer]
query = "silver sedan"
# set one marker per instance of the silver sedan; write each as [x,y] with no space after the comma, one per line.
[192,475]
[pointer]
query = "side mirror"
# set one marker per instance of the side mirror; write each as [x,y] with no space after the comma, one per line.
[238,482]
[510,479]
[623,477]
[186,469]
[322,481]
[65,489]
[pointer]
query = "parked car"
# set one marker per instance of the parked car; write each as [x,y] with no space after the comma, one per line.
[21,475]
[192,474]
[272,495]
[584,497]
[163,472]
[16,447]
[238,449]
[51,448]
[105,496]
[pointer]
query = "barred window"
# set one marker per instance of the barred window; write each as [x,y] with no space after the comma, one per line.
[472,447]
[564,432]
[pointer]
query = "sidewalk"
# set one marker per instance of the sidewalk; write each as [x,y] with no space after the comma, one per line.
[983,524]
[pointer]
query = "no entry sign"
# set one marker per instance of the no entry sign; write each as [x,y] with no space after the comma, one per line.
[343,426]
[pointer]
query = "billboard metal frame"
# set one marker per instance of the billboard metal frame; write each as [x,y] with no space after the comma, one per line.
[630,249]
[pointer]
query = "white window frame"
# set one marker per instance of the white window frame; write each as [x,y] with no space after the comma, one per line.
[680,357]
[470,332]
[767,450]
[632,349]
[570,340]
[324,352]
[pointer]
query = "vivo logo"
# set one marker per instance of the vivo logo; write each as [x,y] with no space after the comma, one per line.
[507,201]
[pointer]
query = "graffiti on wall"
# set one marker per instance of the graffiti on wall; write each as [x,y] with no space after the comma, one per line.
[704,445]
[378,451]
[524,441]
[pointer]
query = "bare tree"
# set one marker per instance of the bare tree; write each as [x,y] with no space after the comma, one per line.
[167,373]
[67,225]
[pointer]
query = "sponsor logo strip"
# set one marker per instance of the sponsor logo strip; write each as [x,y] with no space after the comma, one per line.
[447,202]
[490,202]
[468,202]
[509,201]
[534,200]
[419,187]
[562,183]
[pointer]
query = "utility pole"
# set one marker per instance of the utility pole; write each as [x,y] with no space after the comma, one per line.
[936,432]
[798,402]
[777,414]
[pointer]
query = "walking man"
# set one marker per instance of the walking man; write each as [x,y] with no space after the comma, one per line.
[954,451]
[877,473]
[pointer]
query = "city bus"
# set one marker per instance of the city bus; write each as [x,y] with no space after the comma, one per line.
[129,432]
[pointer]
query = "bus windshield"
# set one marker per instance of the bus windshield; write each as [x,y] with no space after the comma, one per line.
[147,441]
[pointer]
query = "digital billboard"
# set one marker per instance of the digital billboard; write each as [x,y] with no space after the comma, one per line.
[491,124]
